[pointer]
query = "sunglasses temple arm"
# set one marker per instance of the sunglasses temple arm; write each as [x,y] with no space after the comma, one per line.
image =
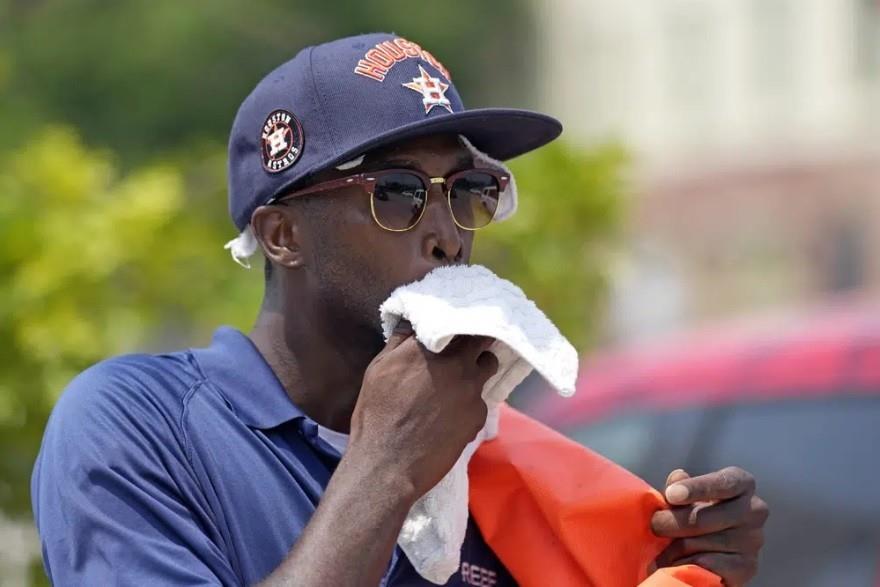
[327,186]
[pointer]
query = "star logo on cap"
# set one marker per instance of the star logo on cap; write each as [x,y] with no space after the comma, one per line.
[432,90]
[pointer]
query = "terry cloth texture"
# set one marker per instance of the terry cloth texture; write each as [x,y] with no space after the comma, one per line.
[471,300]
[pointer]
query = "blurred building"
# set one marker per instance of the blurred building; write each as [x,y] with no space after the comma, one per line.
[756,130]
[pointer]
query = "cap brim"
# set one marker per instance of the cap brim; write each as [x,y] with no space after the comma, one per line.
[501,133]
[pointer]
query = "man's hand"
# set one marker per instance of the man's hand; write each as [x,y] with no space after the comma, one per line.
[716,521]
[417,410]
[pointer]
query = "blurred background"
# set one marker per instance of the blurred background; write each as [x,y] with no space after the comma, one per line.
[707,232]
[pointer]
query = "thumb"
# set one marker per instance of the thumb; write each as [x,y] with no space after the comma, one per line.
[672,490]
[402,331]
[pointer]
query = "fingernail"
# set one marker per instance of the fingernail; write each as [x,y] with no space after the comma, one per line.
[676,475]
[677,493]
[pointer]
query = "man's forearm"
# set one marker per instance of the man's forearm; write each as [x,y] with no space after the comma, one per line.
[350,538]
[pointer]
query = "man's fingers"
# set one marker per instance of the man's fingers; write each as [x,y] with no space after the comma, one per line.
[724,484]
[703,518]
[476,345]
[468,345]
[743,540]
[734,569]
[719,526]
[676,475]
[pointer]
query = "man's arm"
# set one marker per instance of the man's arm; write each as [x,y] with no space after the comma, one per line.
[351,535]
[414,416]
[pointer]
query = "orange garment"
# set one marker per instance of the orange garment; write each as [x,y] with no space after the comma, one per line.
[559,515]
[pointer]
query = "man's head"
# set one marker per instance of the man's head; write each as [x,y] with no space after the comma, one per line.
[327,247]
[379,95]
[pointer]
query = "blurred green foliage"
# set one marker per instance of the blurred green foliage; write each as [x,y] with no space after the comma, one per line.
[98,262]
[143,76]
[112,179]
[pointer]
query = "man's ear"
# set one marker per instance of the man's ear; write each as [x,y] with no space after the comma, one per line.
[279,231]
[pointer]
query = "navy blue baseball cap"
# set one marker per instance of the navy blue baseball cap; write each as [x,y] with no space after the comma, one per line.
[332,103]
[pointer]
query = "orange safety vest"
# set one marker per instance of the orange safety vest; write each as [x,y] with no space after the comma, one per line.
[560,515]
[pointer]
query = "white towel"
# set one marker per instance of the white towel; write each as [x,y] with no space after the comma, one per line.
[472,300]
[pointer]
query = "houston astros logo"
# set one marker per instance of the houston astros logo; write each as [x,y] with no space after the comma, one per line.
[281,141]
[433,90]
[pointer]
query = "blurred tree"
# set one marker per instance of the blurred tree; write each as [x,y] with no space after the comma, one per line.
[94,264]
[147,75]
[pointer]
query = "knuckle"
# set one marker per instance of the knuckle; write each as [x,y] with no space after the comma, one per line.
[657,521]
[728,480]
[741,478]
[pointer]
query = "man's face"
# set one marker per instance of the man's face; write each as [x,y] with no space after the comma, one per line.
[355,264]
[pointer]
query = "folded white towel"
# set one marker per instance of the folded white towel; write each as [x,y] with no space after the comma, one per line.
[472,300]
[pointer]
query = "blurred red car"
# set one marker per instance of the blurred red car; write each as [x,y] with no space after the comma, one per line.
[796,403]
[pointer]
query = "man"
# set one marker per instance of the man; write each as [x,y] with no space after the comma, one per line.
[231,465]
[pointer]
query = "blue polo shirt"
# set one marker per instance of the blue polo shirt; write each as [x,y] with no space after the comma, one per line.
[190,468]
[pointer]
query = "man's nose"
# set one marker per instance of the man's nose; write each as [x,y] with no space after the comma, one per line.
[442,239]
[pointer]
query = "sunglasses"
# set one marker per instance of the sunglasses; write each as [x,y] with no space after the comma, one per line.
[398,197]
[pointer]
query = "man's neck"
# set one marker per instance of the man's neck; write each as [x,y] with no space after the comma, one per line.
[321,368]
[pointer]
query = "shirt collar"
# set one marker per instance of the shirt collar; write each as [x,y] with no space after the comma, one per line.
[241,374]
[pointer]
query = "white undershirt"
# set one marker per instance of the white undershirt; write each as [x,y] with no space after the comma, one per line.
[337,440]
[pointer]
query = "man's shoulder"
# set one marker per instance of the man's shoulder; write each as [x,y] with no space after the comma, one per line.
[121,414]
[136,386]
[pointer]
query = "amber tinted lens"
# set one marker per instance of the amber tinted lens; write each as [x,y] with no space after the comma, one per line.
[398,200]
[474,199]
